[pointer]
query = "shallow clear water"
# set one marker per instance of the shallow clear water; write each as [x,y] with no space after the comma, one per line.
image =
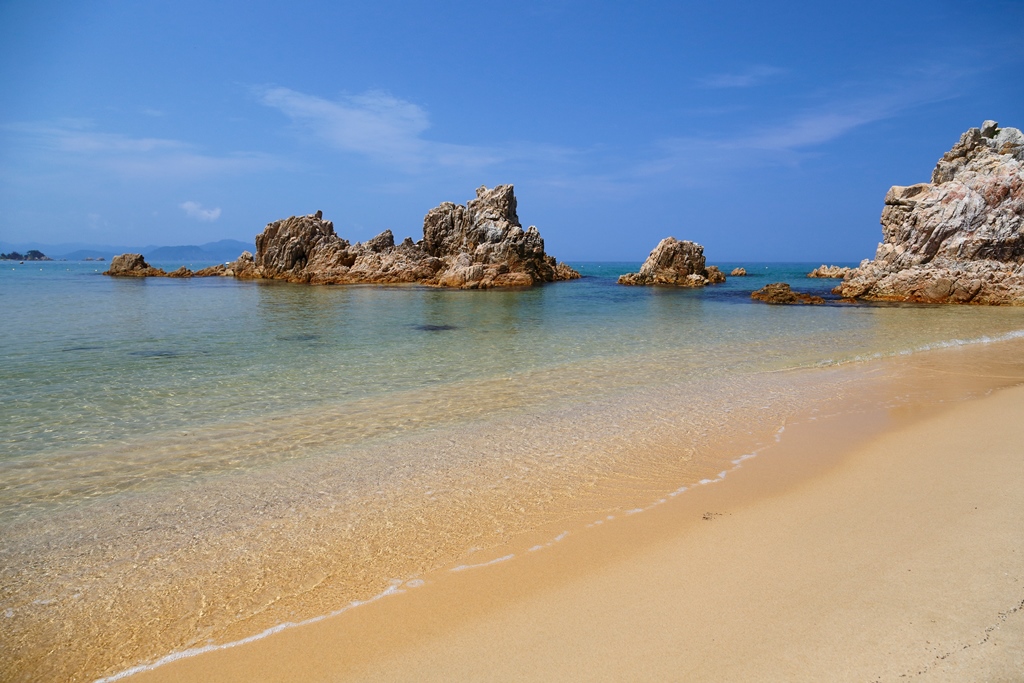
[225,442]
[90,360]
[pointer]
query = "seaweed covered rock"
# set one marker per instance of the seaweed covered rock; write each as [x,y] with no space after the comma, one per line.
[675,262]
[781,293]
[959,238]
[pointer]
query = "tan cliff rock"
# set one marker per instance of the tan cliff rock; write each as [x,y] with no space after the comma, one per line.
[959,238]
[134,265]
[836,272]
[477,245]
[675,262]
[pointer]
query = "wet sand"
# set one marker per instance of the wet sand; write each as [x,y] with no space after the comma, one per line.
[881,546]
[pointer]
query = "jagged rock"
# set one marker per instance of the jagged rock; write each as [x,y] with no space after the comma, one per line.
[479,245]
[675,262]
[837,272]
[781,293]
[133,265]
[959,238]
[738,272]
[219,270]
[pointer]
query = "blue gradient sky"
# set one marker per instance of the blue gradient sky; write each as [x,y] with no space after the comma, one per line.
[765,131]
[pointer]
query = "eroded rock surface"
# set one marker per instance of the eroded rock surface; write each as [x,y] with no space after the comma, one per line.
[478,245]
[781,293]
[957,239]
[133,265]
[675,262]
[738,272]
[837,272]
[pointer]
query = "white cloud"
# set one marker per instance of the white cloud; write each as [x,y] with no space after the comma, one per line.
[195,210]
[755,75]
[389,130]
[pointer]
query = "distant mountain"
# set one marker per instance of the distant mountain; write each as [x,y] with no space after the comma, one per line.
[219,251]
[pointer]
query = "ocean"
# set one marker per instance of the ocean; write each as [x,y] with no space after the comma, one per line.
[186,463]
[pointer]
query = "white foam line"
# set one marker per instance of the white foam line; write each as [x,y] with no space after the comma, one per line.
[464,567]
[550,543]
[184,654]
[950,343]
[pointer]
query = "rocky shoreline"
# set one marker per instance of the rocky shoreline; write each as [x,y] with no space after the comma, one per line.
[958,238]
[478,245]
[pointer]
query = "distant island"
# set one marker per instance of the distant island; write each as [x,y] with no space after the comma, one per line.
[31,255]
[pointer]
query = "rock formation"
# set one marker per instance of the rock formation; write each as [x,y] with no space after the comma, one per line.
[837,272]
[959,238]
[479,245]
[780,293]
[675,262]
[134,265]
[738,272]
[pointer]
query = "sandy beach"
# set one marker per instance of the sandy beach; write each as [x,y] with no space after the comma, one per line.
[884,546]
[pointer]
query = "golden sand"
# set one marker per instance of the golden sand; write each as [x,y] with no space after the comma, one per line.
[880,544]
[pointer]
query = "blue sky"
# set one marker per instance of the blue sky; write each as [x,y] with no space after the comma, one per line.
[765,131]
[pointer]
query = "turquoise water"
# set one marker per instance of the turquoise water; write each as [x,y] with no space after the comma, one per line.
[181,428]
[88,360]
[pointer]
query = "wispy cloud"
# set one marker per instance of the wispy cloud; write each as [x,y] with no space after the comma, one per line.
[729,150]
[746,78]
[197,211]
[389,130]
[75,141]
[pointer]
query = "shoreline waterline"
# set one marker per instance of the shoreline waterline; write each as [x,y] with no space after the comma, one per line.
[914,394]
[192,464]
[442,628]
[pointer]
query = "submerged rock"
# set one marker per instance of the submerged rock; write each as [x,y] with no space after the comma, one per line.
[478,245]
[837,272]
[675,262]
[781,293]
[957,239]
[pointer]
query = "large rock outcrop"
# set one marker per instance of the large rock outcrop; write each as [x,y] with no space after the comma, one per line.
[479,245]
[959,238]
[675,262]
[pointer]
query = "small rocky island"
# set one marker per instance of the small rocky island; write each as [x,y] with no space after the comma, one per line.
[30,255]
[959,238]
[478,245]
[675,262]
